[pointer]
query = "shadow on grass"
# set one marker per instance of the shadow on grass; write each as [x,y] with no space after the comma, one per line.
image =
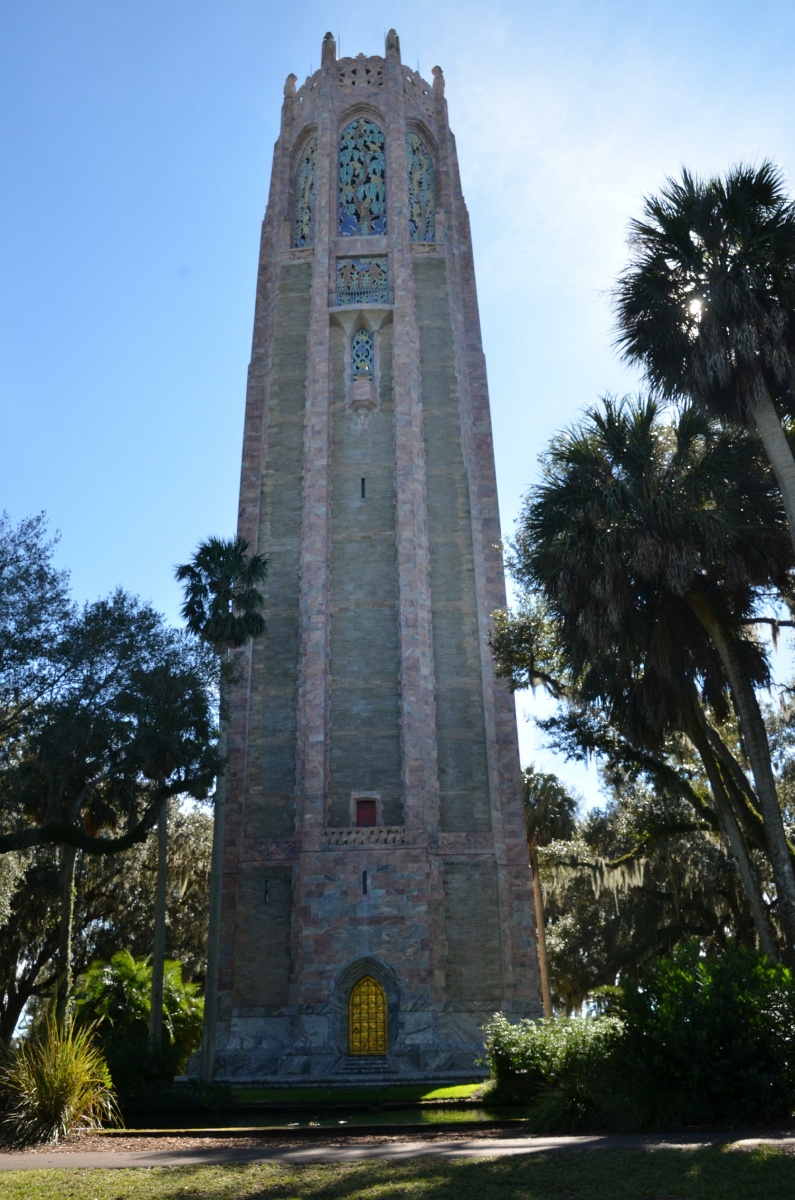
[702,1174]
[699,1174]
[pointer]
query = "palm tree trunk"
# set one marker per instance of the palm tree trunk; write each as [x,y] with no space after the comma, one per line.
[698,734]
[755,738]
[778,451]
[67,920]
[543,966]
[214,923]
[159,947]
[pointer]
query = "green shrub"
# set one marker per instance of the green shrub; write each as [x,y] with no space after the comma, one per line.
[53,1083]
[563,1069]
[115,996]
[701,1037]
[714,1034]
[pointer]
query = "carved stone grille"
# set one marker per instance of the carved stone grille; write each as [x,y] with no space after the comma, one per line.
[422,197]
[367,1018]
[362,179]
[362,359]
[305,195]
[386,835]
[362,281]
[360,72]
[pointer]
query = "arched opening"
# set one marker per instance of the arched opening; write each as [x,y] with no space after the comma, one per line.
[422,190]
[367,1018]
[305,193]
[362,179]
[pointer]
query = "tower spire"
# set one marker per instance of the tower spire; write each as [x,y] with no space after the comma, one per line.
[393,45]
[328,53]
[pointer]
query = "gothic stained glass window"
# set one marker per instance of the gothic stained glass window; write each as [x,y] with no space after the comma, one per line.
[362,358]
[362,179]
[305,195]
[422,192]
[362,281]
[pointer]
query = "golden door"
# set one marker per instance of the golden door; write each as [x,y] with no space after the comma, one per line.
[367,1018]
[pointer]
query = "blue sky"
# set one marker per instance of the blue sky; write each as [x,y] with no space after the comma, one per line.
[136,145]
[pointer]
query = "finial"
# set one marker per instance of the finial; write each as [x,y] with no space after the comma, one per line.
[289,87]
[438,81]
[328,54]
[393,45]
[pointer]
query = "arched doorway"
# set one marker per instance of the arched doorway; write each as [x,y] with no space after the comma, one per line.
[367,1017]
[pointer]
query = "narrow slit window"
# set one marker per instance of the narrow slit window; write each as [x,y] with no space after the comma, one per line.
[363,488]
[364,883]
[362,354]
[365,814]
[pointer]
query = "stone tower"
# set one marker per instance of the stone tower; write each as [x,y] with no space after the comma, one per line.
[376,899]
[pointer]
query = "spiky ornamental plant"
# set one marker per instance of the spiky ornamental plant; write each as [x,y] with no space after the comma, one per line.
[222,606]
[54,1083]
[707,302]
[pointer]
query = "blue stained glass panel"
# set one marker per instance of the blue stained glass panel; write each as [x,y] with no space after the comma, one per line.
[362,179]
[305,195]
[362,281]
[422,191]
[362,354]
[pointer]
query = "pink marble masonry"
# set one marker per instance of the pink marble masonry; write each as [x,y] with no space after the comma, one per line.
[435,907]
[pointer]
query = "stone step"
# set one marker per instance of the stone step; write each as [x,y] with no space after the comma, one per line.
[367,1064]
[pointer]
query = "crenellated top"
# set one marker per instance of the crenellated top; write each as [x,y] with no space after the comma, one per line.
[363,76]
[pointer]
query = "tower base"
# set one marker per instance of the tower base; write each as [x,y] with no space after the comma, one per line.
[290,1047]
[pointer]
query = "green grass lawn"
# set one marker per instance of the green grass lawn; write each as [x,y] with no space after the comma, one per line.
[710,1174]
[396,1094]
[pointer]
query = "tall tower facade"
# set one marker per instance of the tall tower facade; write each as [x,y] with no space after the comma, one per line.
[376,899]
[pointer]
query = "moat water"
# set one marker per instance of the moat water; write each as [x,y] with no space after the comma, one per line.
[292,1118]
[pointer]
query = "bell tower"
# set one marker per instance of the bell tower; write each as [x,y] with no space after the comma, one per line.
[376,902]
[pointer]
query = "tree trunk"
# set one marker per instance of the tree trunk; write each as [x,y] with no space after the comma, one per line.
[777,449]
[698,734]
[214,922]
[543,966]
[67,918]
[755,738]
[159,947]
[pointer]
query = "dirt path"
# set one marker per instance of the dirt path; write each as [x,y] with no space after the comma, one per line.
[91,1152]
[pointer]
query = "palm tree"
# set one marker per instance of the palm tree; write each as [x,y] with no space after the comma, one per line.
[652,545]
[707,303]
[549,814]
[222,606]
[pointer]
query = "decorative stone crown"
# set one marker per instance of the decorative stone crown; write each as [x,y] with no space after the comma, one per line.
[363,74]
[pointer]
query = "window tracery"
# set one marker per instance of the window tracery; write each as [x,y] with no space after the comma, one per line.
[361,72]
[362,179]
[305,195]
[422,191]
[362,354]
[362,280]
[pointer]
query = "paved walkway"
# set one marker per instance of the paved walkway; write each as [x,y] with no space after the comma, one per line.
[482,1147]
